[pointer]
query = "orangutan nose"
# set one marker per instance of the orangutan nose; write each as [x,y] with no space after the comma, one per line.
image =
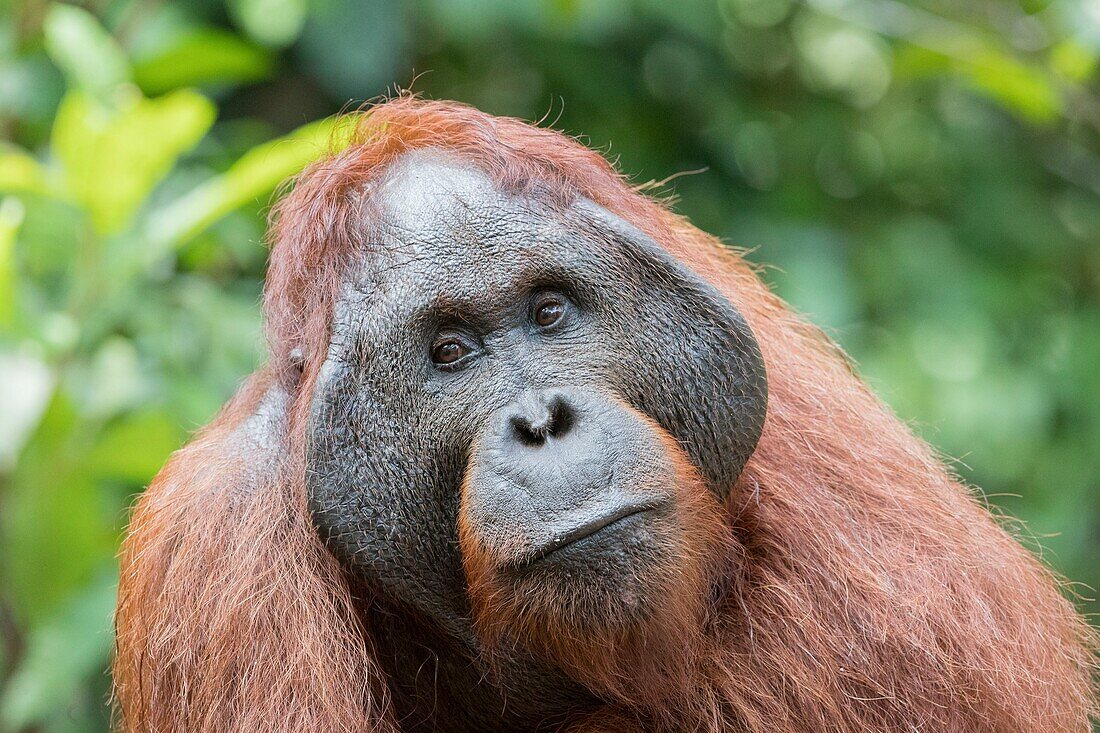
[538,417]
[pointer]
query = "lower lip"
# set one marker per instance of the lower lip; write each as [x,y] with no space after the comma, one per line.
[614,521]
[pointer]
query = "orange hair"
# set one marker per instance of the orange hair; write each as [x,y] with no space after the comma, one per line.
[870,591]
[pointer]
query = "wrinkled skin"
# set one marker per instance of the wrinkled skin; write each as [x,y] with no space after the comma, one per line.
[550,444]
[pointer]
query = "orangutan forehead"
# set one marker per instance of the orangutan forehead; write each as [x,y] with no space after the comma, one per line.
[438,227]
[431,197]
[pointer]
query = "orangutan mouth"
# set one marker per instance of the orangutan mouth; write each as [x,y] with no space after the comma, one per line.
[605,524]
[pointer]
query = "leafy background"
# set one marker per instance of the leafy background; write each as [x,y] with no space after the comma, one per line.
[923,176]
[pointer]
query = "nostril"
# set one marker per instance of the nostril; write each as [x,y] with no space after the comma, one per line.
[552,418]
[527,432]
[560,416]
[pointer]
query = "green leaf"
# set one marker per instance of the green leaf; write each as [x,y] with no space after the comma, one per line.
[11,218]
[275,23]
[58,522]
[135,447]
[254,175]
[204,56]
[61,654]
[112,159]
[86,53]
[24,395]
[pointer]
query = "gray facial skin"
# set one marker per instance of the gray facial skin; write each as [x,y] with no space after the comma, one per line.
[542,421]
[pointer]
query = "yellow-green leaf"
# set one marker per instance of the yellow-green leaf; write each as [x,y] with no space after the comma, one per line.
[1024,90]
[20,172]
[255,175]
[112,158]
[1073,60]
[86,53]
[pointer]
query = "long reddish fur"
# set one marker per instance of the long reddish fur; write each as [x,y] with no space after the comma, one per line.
[870,590]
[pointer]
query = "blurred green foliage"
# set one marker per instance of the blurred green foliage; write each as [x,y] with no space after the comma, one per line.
[925,177]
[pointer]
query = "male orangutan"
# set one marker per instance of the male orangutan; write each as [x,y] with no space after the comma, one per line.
[531,452]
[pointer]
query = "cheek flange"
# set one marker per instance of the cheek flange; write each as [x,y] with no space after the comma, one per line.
[383,494]
[689,359]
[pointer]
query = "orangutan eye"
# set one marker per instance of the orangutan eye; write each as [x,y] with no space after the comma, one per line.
[549,311]
[448,351]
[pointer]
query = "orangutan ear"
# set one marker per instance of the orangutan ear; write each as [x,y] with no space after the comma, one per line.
[231,615]
[697,367]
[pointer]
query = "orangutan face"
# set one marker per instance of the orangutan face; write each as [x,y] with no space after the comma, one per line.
[524,406]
